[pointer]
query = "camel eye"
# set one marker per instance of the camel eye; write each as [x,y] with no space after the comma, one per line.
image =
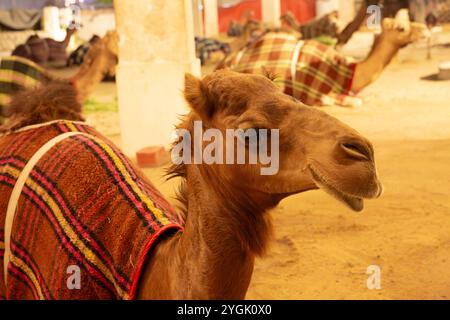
[254,137]
[245,134]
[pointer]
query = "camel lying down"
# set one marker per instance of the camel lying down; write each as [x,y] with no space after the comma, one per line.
[317,74]
[17,73]
[71,203]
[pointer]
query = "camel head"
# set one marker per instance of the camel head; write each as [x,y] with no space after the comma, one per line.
[104,53]
[315,149]
[401,31]
[110,43]
[101,60]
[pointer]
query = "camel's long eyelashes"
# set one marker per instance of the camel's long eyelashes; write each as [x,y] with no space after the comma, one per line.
[250,122]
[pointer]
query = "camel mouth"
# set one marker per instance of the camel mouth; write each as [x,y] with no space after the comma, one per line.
[353,202]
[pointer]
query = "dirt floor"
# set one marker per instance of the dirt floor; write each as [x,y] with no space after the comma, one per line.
[321,250]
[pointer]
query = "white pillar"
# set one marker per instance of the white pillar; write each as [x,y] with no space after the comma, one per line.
[211,11]
[51,25]
[197,10]
[156,48]
[324,7]
[271,12]
[346,11]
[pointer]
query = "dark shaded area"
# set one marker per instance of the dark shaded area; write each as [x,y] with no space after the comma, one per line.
[432,77]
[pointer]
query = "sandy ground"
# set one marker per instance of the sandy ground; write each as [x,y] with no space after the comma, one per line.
[321,250]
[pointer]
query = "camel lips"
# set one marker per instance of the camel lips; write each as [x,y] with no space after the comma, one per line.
[256,141]
[354,203]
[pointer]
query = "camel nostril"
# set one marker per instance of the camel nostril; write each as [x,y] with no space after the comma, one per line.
[357,150]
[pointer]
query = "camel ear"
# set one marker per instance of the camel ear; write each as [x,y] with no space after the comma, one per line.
[268,73]
[402,22]
[196,94]
[402,15]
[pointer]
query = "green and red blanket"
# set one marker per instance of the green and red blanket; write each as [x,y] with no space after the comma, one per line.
[308,70]
[16,74]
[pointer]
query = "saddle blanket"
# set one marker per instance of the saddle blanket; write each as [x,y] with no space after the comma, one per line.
[16,74]
[79,209]
[310,71]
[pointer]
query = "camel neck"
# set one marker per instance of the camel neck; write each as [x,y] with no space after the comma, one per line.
[369,70]
[88,76]
[223,234]
[66,40]
[383,52]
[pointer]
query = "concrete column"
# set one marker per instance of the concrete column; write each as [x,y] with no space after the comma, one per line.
[156,48]
[346,11]
[271,12]
[51,25]
[324,7]
[197,10]
[211,11]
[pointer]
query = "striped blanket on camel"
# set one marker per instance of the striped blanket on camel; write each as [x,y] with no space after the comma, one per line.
[16,74]
[308,70]
[70,200]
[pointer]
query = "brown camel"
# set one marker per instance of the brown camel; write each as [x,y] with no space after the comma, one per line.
[238,198]
[45,50]
[396,34]
[100,60]
[317,74]
[227,221]
[17,73]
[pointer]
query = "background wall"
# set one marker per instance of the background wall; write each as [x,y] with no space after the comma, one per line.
[38,4]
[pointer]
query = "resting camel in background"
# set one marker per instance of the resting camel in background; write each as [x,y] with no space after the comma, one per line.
[327,25]
[317,74]
[18,73]
[106,208]
[251,30]
[43,51]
